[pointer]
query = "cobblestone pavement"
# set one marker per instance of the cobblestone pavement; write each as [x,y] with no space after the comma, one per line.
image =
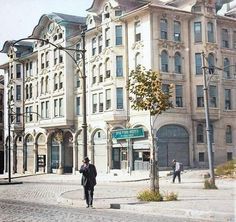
[37,201]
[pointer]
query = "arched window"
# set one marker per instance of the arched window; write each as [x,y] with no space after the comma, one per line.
[228,134]
[137,59]
[211,63]
[226,68]
[164,61]
[178,66]
[94,74]
[200,137]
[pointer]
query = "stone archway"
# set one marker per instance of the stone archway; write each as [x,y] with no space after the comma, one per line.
[29,153]
[100,150]
[173,143]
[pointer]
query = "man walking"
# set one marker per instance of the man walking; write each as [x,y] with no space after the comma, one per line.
[88,180]
[176,166]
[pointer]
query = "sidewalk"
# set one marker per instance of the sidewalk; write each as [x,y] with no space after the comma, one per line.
[193,201]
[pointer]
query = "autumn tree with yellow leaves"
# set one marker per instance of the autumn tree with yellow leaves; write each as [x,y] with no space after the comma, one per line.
[146,93]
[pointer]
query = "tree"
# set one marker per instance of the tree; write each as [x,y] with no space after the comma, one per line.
[147,93]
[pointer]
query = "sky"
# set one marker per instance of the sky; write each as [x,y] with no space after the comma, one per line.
[19,17]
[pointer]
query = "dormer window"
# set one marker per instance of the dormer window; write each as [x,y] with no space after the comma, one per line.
[118,12]
[106,15]
[90,21]
[60,36]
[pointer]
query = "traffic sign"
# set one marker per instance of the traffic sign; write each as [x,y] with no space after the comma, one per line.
[128,133]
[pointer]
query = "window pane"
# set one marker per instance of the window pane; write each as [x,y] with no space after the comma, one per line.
[119,98]
[119,35]
[197,32]
[119,66]
[198,63]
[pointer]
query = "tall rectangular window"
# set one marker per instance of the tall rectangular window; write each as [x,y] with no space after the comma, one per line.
[61,105]
[201,157]
[119,98]
[78,106]
[100,102]
[47,109]
[200,98]
[163,29]
[99,43]
[225,38]
[55,54]
[107,37]
[95,103]
[78,47]
[119,66]
[234,40]
[18,92]
[18,71]
[42,110]
[198,63]
[228,99]
[108,99]
[94,43]
[197,32]
[42,61]
[47,59]
[179,95]
[55,107]
[119,35]
[18,114]
[177,31]
[213,96]
[210,32]
[137,30]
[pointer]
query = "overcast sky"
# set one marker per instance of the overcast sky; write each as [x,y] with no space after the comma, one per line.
[19,17]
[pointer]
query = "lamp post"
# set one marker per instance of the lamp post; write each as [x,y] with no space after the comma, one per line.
[83,76]
[208,131]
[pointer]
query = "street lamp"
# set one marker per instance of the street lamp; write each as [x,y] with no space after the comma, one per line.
[206,105]
[211,71]
[83,76]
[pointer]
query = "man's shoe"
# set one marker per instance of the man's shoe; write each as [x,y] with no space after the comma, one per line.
[87,206]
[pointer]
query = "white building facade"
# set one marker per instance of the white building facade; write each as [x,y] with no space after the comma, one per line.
[44,84]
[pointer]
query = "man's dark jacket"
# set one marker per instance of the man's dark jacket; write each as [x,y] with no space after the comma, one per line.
[88,175]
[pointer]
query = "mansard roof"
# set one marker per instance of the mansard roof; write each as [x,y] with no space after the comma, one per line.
[23,45]
[126,5]
[59,18]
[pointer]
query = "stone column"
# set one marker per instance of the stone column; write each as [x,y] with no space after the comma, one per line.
[59,139]
[35,158]
[60,170]
[75,157]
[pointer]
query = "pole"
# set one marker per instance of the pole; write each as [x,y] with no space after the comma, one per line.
[84,108]
[206,105]
[9,142]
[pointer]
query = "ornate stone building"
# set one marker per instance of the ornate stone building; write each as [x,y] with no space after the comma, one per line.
[170,37]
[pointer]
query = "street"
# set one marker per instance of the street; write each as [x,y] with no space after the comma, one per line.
[36,200]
